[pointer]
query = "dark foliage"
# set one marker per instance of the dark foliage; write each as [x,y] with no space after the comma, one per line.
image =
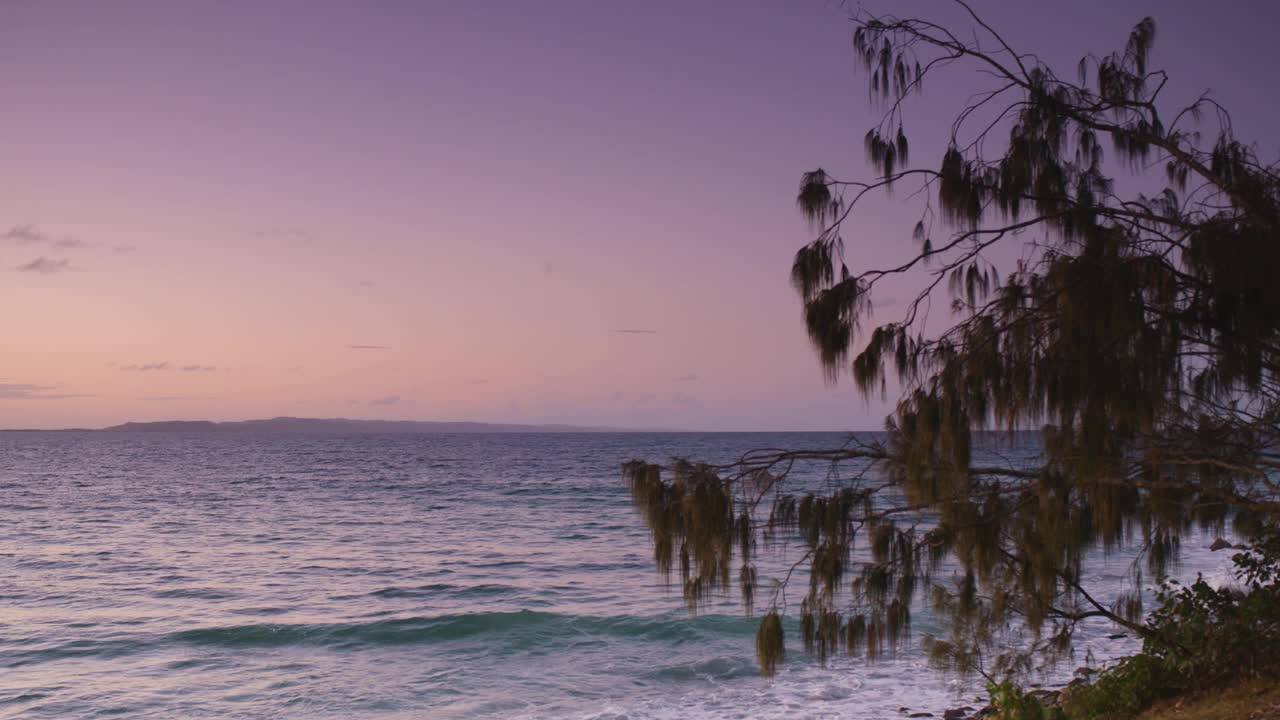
[1138,334]
[1202,638]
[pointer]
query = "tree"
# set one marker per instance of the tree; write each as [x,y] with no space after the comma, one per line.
[1139,335]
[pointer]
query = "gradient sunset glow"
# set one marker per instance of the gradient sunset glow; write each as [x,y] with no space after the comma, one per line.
[577,212]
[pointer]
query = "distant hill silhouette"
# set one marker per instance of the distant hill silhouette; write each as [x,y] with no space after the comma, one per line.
[344,425]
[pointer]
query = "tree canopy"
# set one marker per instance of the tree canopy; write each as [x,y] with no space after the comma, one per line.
[1138,335]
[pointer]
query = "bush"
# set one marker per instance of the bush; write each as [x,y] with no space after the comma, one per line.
[1206,636]
[1121,691]
[1201,637]
[1010,702]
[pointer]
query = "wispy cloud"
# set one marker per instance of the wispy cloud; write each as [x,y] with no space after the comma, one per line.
[367,283]
[25,235]
[368,347]
[686,378]
[24,391]
[44,266]
[166,366]
[29,235]
[388,400]
[636,331]
[147,367]
[477,381]
[123,249]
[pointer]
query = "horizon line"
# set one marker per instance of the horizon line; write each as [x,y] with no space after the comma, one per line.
[579,427]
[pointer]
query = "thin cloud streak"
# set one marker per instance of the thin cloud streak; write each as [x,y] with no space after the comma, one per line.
[25,235]
[44,266]
[166,365]
[368,347]
[28,235]
[26,391]
[146,367]
[636,331]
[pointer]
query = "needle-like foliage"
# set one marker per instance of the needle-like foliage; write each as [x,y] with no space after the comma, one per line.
[1138,334]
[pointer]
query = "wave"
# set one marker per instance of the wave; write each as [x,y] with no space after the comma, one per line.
[516,630]
[99,649]
[720,668]
[194,593]
[509,631]
[435,589]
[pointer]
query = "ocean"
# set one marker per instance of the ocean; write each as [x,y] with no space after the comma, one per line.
[229,575]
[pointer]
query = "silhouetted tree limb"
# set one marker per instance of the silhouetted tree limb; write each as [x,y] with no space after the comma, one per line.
[1139,336]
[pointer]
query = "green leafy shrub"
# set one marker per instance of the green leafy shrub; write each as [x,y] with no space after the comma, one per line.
[1121,691]
[1206,636]
[1201,637]
[1011,702]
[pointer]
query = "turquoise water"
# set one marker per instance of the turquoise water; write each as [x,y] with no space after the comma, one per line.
[220,575]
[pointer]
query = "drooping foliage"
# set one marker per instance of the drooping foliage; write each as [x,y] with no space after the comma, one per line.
[1138,333]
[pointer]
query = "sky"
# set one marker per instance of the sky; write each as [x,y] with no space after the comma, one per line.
[556,211]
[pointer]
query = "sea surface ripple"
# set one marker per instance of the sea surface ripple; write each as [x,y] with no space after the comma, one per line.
[226,575]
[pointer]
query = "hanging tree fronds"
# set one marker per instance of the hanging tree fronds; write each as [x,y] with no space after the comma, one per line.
[1139,335]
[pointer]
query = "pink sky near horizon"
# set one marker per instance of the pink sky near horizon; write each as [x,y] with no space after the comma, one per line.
[451,211]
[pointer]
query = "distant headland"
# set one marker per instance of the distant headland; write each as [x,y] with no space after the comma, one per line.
[295,425]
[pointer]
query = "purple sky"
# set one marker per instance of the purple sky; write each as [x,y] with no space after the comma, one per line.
[463,210]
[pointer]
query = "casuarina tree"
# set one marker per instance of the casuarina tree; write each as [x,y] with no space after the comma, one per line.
[1137,334]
